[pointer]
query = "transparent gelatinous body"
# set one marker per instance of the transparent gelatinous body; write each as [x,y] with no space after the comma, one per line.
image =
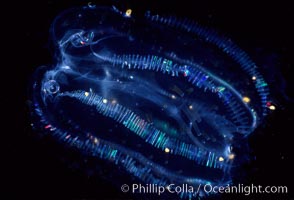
[164,99]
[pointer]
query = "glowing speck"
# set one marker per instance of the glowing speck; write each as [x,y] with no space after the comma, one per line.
[128,13]
[113,101]
[96,141]
[221,159]
[190,107]
[104,101]
[131,77]
[65,67]
[86,94]
[173,96]
[253,78]
[166,150]
[246,99]
[220,89]
[90,5]
[231,156]
[48,126]
[272,107]
[186,72]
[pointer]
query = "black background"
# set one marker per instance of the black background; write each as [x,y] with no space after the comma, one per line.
[32,168]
